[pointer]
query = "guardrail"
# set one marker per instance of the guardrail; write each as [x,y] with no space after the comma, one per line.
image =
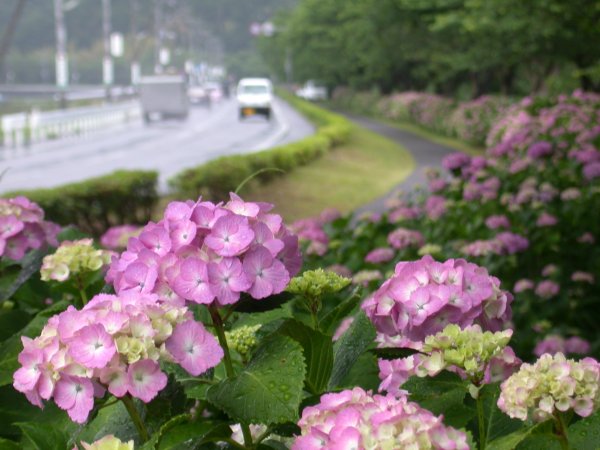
[23,129]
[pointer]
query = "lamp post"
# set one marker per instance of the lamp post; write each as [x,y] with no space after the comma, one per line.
[61,61]
[107,63]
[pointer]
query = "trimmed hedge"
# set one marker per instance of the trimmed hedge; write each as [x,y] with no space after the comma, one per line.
[217,178]
[98,203]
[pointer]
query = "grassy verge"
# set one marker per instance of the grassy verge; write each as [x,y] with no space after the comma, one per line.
[456,144]
[364,168]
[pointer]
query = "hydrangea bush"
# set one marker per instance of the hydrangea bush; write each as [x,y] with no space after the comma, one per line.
[405,329]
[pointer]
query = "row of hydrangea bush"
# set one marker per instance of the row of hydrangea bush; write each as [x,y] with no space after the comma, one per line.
[444,323]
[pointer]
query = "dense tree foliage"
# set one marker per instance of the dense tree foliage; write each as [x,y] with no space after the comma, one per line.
[470,46]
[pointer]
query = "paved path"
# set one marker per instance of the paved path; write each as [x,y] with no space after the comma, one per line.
[425,153]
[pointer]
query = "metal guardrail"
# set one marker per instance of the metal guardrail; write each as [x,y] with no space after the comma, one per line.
[22,129]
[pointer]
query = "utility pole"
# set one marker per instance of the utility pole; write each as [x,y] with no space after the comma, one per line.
[135,70]
[107,63]
[8,34]
[62,63]
[158,36]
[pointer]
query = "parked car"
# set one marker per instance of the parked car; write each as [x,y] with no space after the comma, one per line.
[312,91]
[165,96]
[254,96]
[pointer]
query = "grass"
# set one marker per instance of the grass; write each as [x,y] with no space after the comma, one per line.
[365,168]
[456,144]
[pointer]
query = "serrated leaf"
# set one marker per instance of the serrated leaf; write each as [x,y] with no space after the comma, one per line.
[38,436]
[269,389]
[585,434]
[442,394]
[318,353]
[350,346]
[510,441]
[393,353]
[10,349]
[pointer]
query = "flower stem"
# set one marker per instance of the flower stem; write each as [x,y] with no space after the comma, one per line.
[218,323]
[135,417]
[561,432]
[481,422]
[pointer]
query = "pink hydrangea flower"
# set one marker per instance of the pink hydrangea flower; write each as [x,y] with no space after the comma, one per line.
[402,238]
[547,289]
[23,228]
[380,255]
[423,296]
[194,348]
[355,419]
[145,380]
[209,254]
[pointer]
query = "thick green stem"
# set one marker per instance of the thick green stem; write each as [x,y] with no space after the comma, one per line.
[135,417]
[218,323]
[81,289]
[481,423]
[561,432]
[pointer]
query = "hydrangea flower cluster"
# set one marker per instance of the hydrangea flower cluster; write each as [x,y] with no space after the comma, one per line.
[115,238]
[424,296]
[554,343]
[73,257]
[316,283]
[22,228]
[209,254]
[114,343]
[403,238]
[356,419]
[551,384]
[243,339]
[475,355]
[108,442]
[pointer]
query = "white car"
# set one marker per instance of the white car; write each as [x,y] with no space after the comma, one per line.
[312,91]
[254,96]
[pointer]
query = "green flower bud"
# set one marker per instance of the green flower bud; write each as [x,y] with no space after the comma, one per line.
[73,257]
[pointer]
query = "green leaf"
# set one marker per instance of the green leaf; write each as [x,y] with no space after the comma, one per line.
[272,445]
[318,353]
[38,436]
[11,321]
[510,441]
[497,423]
[585,434]
[364,373]
[179,431]
[393,353]
[269,389]
[30,264]
[442,394]
[332,319]
[350,346]
[248,304]
[113,419]
[10,349]
[5,444]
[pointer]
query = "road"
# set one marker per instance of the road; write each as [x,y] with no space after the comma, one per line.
[168,146]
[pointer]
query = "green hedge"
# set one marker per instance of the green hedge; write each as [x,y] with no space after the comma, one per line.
[215,179]
[94,205]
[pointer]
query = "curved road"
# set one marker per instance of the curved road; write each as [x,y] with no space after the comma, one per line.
[167,147]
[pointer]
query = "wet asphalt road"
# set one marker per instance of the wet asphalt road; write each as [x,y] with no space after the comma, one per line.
[167,146]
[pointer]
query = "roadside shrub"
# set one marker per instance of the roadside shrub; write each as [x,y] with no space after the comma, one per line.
[216,179]
[96,204]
